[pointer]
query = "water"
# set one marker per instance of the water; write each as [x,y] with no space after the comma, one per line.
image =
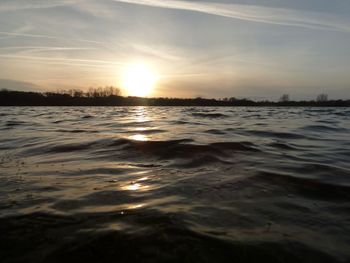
[174,184]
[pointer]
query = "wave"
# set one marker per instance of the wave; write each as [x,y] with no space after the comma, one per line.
[163,238]
[75,131]
[14,123]
[215,131]
[283,146]
[316,188]
[183,152]
[171,148]
[146,131]
[281,135]
[324,128]
[209,115]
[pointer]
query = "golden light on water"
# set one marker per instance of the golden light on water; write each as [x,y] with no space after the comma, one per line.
[140,116]
[134,187]
[136,206]
[139,137]
[139,80]
[138,184]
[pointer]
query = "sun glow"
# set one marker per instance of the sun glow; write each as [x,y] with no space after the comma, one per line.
[139,80]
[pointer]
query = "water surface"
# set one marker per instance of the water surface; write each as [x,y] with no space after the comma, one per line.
[174,184]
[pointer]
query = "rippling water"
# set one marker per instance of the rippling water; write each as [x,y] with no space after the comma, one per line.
[174,184]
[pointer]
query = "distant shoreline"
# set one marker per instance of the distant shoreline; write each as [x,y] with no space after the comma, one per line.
[21,98]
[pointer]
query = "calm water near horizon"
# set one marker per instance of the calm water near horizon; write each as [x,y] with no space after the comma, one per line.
[174,184]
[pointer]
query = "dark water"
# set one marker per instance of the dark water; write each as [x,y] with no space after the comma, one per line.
[174,184]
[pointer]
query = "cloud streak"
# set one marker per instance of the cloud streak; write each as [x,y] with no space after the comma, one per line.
[253,13]
[14,5]
[15,34]
[260,14]
[81,62]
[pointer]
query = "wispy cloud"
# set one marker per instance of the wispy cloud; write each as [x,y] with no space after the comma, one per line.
[15,34]
[279,16]
[25,50]
[13,5]
[66,61]
[253,13]
[44,48]
[155,51]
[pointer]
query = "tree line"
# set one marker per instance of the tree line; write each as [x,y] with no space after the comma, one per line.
[91,93]
[320,98]
[111,96]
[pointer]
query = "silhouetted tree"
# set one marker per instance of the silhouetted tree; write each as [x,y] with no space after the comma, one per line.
[322,98]
[78,93]
[103,92]
[284,98]
[90,93]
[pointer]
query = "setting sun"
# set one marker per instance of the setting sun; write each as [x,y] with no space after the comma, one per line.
[139,80]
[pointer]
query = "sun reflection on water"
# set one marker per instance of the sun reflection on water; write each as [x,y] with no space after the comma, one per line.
[139,137]
[134,187]
[141,114]
[136,206]
[141,117]
[143,178]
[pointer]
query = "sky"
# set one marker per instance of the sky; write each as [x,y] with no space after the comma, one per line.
[257,49]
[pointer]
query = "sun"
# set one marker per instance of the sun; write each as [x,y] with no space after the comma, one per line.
[138,80]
